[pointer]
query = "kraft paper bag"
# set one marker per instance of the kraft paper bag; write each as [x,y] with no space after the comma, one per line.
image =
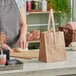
[52,45]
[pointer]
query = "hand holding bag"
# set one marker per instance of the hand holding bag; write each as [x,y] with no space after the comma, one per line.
[52,45]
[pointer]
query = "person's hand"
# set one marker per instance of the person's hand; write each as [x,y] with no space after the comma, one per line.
[7,47]
[22,42]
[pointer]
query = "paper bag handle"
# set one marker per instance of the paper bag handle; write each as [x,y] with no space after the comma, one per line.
[53,25]
[49,21]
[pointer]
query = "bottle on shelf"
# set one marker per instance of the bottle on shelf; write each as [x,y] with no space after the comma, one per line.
[44,5]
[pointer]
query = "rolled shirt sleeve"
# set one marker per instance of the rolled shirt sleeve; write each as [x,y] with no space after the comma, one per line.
[21,3]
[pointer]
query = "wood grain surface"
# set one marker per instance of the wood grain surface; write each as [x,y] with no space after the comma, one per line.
[25,54]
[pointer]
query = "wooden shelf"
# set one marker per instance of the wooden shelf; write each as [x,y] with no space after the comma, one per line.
[34,41]
[40,12]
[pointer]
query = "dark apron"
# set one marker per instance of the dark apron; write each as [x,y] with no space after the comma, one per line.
[10,21]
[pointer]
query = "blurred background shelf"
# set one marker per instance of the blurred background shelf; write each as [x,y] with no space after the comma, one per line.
[38,25]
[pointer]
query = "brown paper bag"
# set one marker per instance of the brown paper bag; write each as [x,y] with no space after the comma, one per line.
[52,46]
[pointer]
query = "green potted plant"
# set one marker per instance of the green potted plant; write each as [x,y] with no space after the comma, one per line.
[61,5]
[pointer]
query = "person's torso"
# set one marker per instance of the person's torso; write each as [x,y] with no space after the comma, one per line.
[10,20]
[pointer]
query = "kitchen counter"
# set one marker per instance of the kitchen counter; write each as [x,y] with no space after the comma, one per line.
[34,68]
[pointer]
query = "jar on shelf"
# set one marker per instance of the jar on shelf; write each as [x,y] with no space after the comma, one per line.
[35,4]
[44,5]
[28,5]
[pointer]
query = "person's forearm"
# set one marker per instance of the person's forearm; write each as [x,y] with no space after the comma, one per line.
[23,29]
[23,26]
